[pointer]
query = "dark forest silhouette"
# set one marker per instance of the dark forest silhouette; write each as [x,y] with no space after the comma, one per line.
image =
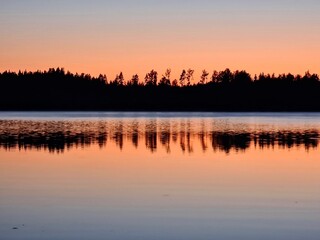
[60,136]
[57,89]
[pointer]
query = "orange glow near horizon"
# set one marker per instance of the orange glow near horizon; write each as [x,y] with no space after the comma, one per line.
[111,37]
[96,60]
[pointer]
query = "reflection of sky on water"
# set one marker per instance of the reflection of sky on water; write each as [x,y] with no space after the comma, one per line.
[116,180]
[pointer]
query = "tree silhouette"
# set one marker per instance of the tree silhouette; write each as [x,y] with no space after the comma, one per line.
[167,74]
[119,80]
[165,80]
[57,89]
[151,78]
[241,78]
[214,77]
[102,78]
[182,78]
[134,80]
[175,83]
[310,78]
[189,76]
[225,77]
[204,77]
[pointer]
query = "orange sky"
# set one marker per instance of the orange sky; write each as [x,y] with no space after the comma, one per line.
[118,36]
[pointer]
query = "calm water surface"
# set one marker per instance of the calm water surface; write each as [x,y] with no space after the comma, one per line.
[136,176]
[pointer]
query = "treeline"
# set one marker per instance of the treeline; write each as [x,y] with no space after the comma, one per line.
[57,89]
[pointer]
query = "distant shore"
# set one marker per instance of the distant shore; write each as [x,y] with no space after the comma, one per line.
[224,91]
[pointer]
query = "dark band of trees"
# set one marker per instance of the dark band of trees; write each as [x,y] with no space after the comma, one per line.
[57,89]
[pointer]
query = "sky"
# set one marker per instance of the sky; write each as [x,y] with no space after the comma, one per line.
[135,36]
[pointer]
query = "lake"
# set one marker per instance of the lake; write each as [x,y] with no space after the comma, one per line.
[154,176]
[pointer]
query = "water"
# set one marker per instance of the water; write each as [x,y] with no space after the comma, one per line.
[87,175]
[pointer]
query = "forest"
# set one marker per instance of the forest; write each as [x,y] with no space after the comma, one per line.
[57,89]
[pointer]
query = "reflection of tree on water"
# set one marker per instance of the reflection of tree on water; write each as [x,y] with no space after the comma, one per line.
[203,136]
[118,135]
[151,135]
[308,139]
[165,135]
[58,136]
[185,137]
[226,141]
[134,134]
[102,136]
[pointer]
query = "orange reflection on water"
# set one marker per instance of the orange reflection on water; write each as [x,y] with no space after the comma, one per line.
[125,190]
[206,134]
[261,172]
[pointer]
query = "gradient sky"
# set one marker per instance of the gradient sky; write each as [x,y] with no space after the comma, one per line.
[135,36]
